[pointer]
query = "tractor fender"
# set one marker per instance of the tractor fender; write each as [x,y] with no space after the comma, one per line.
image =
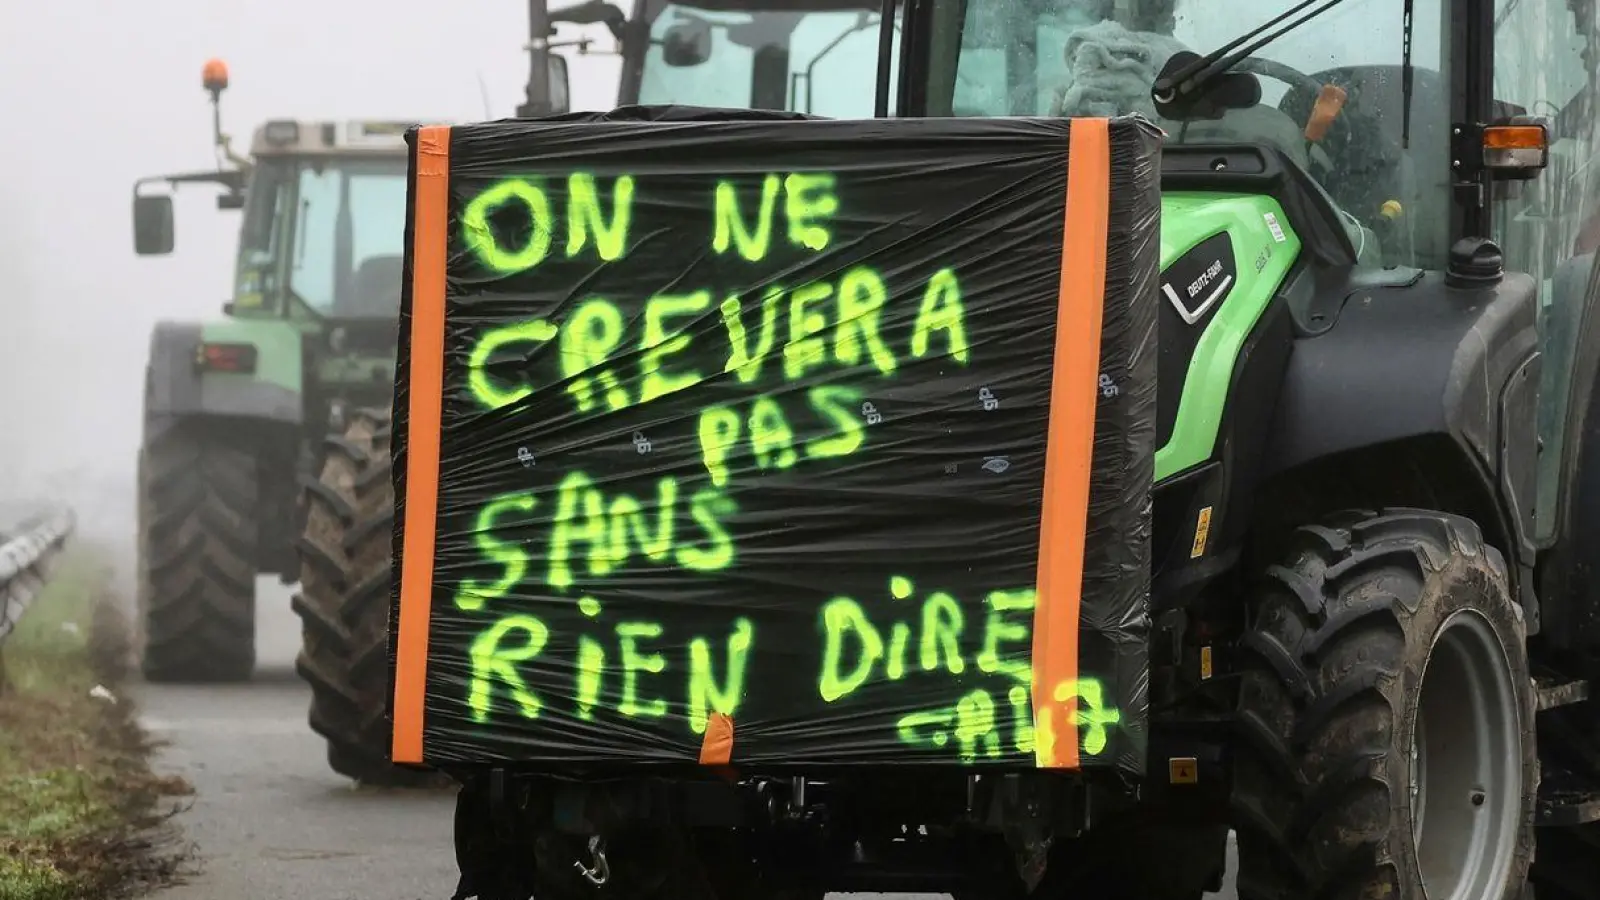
[1419,361]
[175,386]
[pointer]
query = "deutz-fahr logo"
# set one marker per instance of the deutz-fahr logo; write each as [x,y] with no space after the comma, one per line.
[1199,280]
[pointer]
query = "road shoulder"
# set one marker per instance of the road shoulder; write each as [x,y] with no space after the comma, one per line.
[81,814]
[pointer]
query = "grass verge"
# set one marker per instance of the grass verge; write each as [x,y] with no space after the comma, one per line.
[78,802]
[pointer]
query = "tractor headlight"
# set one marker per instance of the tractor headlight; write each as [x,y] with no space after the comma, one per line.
[281,132]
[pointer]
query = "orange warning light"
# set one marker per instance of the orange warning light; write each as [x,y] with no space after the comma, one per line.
[1516,147]
[1515,137]
[215,75]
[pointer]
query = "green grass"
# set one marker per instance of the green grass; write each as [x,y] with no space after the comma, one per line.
[74,788]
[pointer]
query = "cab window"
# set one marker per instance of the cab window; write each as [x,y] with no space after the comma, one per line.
[1071,58]
[819,62]
[1544,65]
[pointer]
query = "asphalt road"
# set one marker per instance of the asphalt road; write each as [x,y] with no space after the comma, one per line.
[270,821]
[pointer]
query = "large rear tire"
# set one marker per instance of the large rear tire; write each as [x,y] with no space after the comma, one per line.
[343,603]
[1388,746]
[197,523]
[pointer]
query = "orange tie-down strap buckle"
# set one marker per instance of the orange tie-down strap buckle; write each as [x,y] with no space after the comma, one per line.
[1069,452]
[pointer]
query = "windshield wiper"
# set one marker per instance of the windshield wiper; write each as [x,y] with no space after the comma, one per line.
[1196,74]
[1407,88]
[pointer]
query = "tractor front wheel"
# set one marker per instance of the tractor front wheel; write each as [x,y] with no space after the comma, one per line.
[1387,747]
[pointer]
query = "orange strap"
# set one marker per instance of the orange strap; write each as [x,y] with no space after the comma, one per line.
[425,398]
[1069,450]
[716,748]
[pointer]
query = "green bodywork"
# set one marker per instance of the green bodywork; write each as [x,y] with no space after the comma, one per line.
[277,344]
[1186,220]
[280,354]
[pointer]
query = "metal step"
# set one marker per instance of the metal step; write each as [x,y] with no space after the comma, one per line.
[1552,691]
[1567,799]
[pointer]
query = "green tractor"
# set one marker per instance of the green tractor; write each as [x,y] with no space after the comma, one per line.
[238,474]
[1373,627]
[235,408]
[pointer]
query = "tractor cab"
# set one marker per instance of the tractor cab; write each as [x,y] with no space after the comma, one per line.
[318,260]
[1362,97]
[319,246]
[319,199]
[318,236]
[1386,114]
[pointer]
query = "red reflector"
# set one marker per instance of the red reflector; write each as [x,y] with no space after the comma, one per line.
[227,357]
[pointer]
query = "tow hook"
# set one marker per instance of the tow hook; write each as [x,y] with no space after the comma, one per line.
[600,872]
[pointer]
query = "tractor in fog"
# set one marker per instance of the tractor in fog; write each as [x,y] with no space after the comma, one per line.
[253,429]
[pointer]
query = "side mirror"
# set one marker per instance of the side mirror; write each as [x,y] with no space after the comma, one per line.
[152,224]
[560,86]
[686,43]
[230,200]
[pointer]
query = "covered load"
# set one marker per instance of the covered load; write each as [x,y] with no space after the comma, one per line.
[763,440]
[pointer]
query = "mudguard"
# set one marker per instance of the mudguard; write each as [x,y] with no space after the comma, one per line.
[175,386]
[1394,364]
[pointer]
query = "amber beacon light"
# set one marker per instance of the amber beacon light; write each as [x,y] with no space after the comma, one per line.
[214,76]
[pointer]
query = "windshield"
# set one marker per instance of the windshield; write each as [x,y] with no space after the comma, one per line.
[330,230]
[1083,57]
[1101,57]
[822,62]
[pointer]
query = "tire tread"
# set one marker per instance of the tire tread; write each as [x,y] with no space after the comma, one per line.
[1323,664]
[198,502]
[343,603]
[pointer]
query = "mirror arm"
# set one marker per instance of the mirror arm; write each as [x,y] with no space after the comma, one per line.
[861,24]
[594,12]
[233,180]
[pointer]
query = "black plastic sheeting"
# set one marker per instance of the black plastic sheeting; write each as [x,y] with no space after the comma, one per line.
[785,468]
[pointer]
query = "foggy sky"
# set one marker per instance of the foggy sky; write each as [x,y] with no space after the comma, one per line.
[97,93]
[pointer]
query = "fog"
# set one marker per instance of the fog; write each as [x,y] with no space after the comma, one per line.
[98,93]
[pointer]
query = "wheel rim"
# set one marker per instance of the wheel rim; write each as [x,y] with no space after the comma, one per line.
[1466,764]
